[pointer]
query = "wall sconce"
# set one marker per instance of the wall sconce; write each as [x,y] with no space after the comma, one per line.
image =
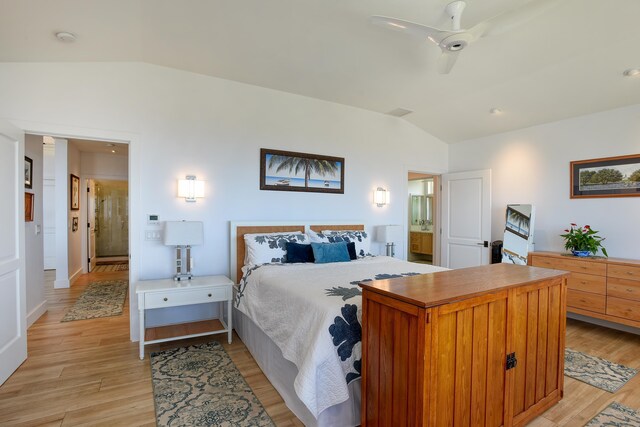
[190,188]
[380,197]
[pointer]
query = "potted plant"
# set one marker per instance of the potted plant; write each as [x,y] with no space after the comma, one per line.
[582,241]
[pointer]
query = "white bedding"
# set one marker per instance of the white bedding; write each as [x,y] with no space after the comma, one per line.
[312,312]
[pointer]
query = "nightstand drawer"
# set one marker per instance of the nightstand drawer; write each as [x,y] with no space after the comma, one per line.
[185,297]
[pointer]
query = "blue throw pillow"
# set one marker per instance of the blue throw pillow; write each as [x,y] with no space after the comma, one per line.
[330,252]
[298,252]
[351,248]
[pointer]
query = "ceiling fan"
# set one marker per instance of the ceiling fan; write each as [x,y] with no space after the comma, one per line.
[451,42]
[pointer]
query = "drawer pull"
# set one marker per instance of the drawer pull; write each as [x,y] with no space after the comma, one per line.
[583,282]
[166,299]
[209,295]
[630,273]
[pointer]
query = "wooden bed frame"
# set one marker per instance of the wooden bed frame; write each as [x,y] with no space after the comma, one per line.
[239,229]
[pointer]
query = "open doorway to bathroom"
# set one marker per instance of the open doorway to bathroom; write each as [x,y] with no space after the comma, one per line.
[107,225]
[423,218]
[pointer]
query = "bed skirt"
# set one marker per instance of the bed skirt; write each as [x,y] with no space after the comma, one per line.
[281,373]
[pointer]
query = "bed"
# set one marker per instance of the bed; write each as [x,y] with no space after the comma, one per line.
[301,322]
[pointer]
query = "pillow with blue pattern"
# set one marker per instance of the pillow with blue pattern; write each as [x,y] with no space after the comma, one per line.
[299,252]
[359,237]
[330,252]
[270,248]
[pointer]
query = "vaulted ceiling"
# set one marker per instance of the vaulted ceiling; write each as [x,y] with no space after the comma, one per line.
[565,62]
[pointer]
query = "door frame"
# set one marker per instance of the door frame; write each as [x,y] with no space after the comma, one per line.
[437,218]
[84,179]
[135,156]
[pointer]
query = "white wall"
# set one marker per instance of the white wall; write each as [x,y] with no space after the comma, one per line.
[75,255]
[181,123]
[34,272]
[104,166]
[532,166]
[49,206]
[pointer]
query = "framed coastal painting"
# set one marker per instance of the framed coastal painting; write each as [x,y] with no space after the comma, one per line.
[28,172]
[75,193]
[290,171]
[606,177]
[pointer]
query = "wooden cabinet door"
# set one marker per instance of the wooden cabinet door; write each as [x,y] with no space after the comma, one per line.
[538,376]
[468,362]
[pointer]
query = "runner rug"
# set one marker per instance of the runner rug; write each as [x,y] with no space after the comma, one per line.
[595,371]
[615,415]
[100,299]
[200,386]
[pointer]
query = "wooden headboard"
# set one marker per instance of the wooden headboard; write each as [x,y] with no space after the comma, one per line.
[239,229]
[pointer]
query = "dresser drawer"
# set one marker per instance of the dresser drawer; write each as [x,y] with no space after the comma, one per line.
[586,301]
[588,283]
[570,264]
[624,308]
[624,272]
[623,288]
[175,298]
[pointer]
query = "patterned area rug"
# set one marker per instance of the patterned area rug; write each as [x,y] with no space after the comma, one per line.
[99,299]
[104,267]
[595,371]
[200,386]
[615,415]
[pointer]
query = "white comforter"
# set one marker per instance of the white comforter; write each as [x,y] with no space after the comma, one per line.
[312,312]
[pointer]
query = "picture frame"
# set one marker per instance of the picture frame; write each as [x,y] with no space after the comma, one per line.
[28,207]
[292,171]
[606,177]
[75,192]
[74,224]
[28,172]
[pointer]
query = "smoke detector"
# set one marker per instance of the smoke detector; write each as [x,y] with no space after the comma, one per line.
[66,37]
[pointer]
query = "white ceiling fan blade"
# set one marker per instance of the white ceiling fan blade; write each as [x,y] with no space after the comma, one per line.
[416,30]
[513,18]
[446,61]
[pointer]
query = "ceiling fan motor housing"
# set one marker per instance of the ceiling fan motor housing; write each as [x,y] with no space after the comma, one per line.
[456,42]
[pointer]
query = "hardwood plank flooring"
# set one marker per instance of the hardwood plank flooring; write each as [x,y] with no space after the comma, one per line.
[88,372]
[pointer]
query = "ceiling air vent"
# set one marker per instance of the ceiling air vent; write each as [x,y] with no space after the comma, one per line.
[399,112]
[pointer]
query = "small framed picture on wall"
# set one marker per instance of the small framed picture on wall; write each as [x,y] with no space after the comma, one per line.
[28,172]
[75,193]
[74,224]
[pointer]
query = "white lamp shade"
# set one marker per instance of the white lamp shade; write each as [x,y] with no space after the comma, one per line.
[183,233]
[388,233]
[190,189]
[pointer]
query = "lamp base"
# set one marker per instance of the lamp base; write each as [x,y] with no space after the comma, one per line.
[391,249]
[183,263]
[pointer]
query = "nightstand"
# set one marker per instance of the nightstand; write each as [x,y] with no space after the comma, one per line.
[170,293]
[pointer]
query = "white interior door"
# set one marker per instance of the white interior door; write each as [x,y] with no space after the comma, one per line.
[13,329]
[91,224]
[466,219]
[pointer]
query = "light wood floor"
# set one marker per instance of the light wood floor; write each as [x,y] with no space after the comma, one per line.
[88,372]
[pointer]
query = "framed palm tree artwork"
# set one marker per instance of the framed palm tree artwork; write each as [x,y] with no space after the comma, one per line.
[290,171]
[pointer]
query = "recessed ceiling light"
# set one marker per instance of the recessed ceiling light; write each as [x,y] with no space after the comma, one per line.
[113,151]
[65,36]
[495,111]
[631,72]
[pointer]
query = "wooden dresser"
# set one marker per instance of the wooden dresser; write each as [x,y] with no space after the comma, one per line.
[604,288]
[469,347]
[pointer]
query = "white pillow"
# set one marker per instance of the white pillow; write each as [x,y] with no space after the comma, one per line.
[316,237]
[269,248]
[359,237]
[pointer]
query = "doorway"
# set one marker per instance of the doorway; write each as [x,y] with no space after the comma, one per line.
[423,218]
[107,225]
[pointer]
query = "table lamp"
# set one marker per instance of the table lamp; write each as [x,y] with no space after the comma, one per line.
[389,234]
[183,235]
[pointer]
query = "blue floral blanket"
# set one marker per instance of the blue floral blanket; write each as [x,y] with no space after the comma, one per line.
[313,313]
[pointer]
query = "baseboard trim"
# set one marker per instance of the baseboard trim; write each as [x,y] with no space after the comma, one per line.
[36,313]
[61,284]
[75,276]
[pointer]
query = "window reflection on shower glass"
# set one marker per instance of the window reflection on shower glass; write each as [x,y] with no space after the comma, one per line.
[112,218]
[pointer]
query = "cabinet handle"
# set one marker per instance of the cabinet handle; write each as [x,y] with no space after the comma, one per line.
[166,299]
[209,295]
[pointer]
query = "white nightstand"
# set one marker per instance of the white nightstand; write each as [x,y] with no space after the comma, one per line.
[170,293]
